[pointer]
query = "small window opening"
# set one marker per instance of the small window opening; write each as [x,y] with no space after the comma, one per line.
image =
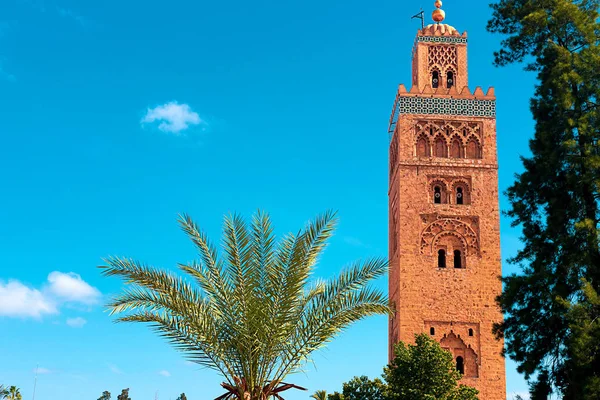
[459,196]
[437,195]
[441,258]
[435,79]
[457,259]
[470,331]
[450,79]
[460,365]
[432,331]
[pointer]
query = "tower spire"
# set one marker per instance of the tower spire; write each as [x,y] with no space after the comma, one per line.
[438,14]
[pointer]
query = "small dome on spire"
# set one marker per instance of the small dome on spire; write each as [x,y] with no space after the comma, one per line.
[438,14]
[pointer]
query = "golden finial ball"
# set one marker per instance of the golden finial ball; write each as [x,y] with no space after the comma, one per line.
[438,4]
[438,15]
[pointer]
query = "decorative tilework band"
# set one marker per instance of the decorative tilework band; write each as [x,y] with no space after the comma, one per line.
[446,106]
[442,39]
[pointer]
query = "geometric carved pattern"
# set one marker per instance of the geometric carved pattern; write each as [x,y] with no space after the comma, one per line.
[443,59]
[442,39]
[446,106]
[459,137]
[460,228]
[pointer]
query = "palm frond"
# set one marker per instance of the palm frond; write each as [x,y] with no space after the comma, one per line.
[251,312]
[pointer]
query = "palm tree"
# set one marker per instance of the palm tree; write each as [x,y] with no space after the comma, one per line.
[252,313]
[319,395]
[14,393]
[3,392]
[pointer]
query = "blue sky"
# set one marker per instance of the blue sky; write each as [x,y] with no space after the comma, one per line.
[117,115]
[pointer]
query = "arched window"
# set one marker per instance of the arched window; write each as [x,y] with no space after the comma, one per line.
[460,365]
[437,195]
[440,148]
[473,150]
[422,147]
[441,258]
[470,331]
[457,259]
[435,79]
[460,196]
[449,79]
[456,150]
[432,331]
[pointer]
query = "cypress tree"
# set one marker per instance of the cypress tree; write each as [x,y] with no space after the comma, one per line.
[555,199]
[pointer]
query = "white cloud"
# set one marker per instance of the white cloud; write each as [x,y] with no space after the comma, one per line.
[173,117]
[17,300]
[114,369]
[164,373]
[76,322]
[71,287]
[353,241]
[42,371]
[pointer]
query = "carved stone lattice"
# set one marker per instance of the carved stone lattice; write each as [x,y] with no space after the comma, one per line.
[455,139]
[455,227]
[443,59]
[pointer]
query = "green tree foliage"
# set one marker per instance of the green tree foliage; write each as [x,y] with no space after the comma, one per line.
[251,312]
[319,395]
[424,371]
[3,392]
[555,199]
[124,395]
[583,318]
[360,388]
[105,396]
[13,393]
[182,397]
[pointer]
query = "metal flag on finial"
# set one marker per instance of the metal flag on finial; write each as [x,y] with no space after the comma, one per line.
[420,16]
[438,14]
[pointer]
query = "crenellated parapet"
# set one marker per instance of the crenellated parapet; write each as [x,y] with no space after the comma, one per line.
[443,101]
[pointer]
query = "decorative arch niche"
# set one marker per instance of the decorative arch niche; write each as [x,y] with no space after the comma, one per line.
[423,147]
[473,149]
[450,234]
[464,356]
[448,139]
[440,148]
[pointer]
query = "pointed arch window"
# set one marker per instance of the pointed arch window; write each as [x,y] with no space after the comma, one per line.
[470,331]
[460,196]
[460,365]
[437,195]
[458,259]
[435,79]
[449,79]
[441,258]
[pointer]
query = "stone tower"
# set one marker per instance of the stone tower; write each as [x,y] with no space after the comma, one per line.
[444,231]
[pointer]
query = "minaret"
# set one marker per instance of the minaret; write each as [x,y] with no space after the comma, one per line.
[444,230]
